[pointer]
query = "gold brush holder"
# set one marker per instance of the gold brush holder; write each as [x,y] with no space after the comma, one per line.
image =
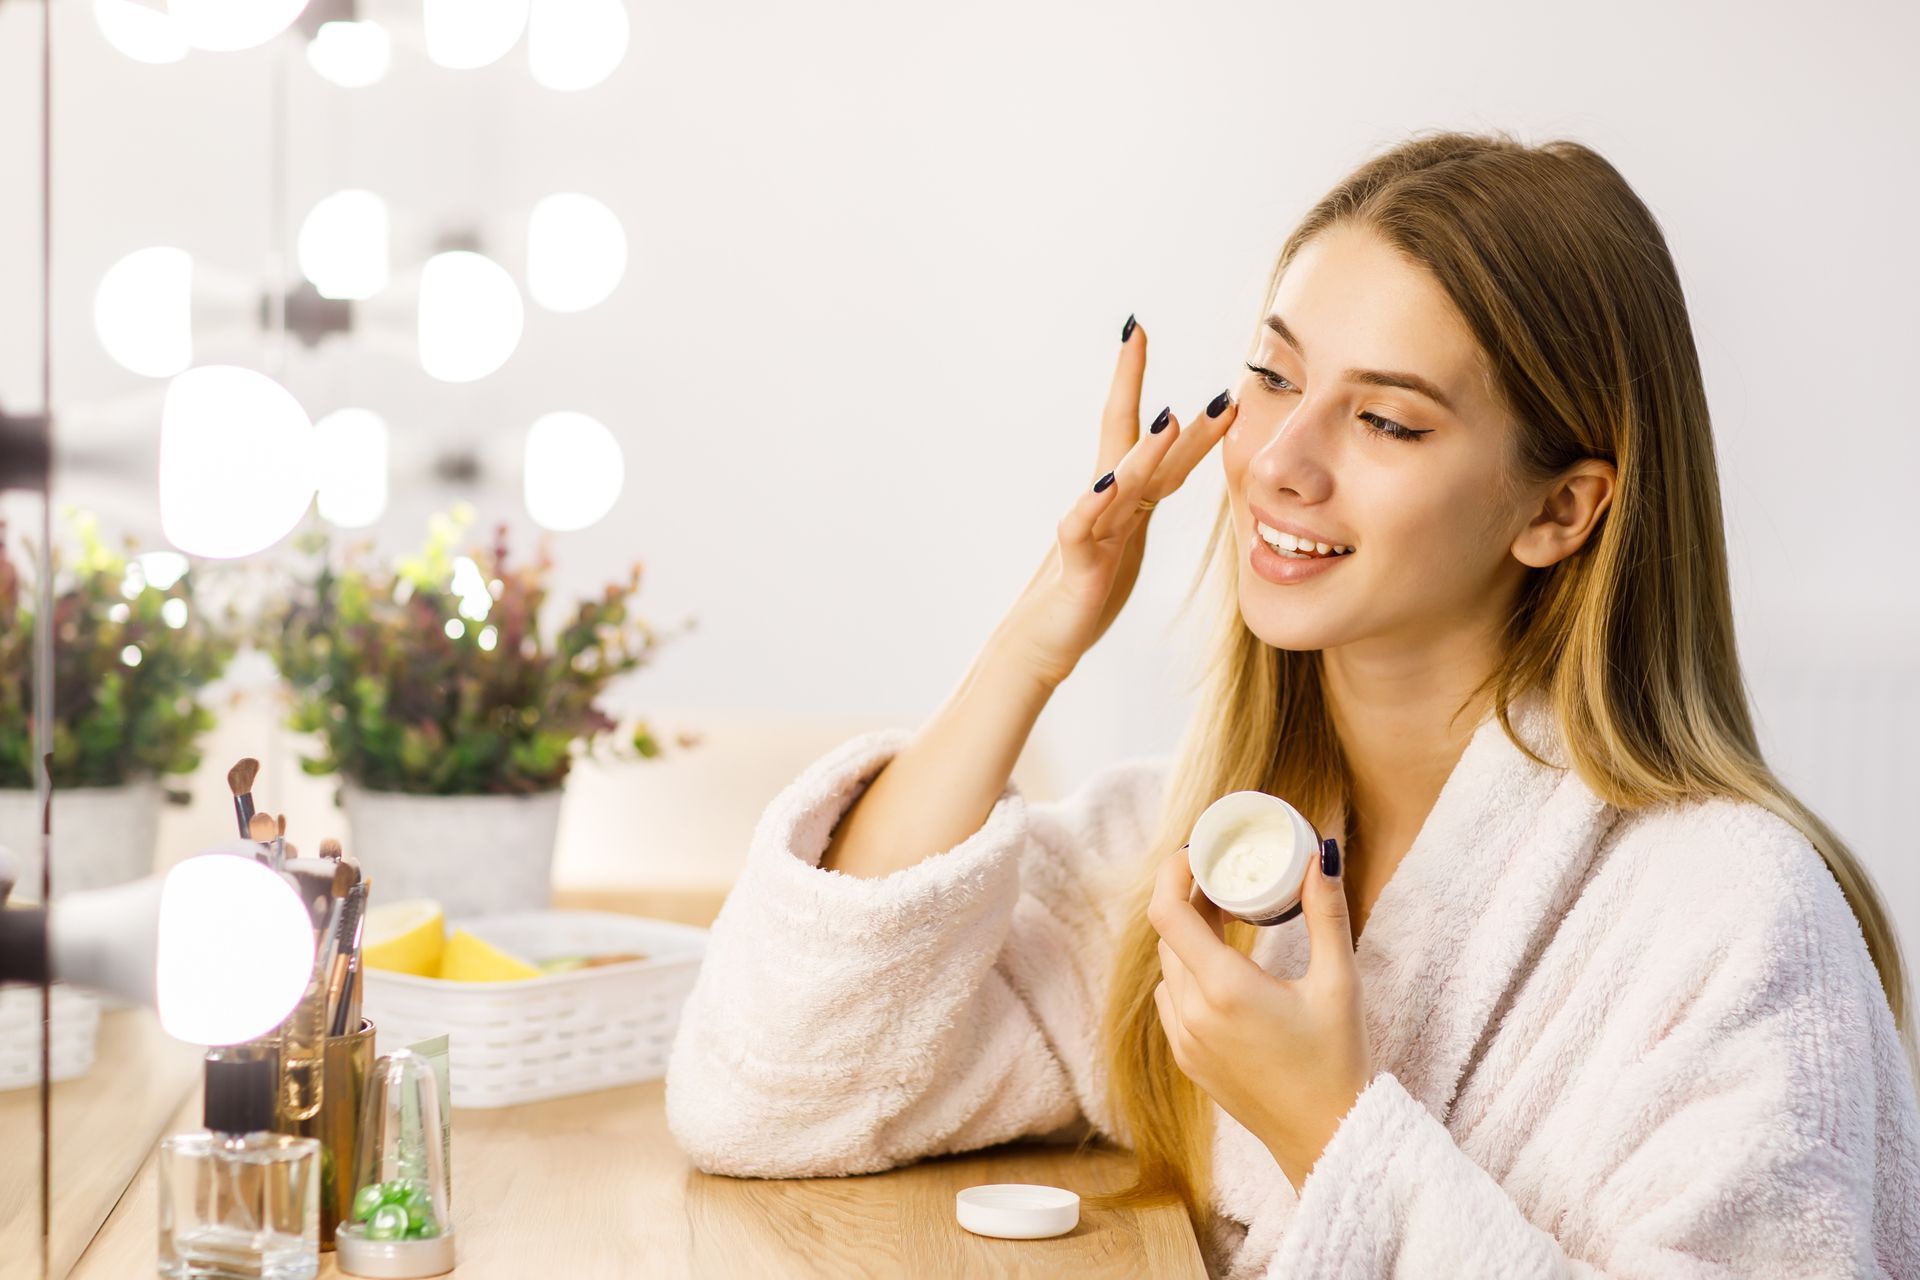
[347,1061]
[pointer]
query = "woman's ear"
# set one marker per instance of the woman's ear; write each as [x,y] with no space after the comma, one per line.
[1571,507]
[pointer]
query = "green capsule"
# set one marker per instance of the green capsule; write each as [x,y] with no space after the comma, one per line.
[366,1200]
[389,1222]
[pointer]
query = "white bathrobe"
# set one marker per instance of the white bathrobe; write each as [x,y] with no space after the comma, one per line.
[1605,1045]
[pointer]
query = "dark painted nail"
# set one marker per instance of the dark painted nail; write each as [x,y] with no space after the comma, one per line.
[1330,857]
[1128,331]
[1218,405]
[1100,485]
[1160,423]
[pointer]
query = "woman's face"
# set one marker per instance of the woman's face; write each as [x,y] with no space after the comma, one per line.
[1317,448]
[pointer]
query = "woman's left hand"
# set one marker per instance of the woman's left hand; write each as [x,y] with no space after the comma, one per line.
[1286,1059]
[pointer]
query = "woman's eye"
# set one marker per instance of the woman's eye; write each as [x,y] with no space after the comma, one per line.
[1279,385]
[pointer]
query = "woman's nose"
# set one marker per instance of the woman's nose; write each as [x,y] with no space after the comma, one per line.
[1296,455]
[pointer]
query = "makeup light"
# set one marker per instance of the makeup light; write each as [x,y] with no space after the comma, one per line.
[342,246]
[353,467]
[462,35]
[575,44]
[352,55]
[140,31]
[574,471]
[220,945]
[471,316]
[227,26]
[237,465]
[576,252]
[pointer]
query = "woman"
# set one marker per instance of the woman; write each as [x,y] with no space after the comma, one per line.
[1589,992]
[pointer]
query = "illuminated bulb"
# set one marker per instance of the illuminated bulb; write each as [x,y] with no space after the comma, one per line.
[214,908]
[343,245]
[475,599]
[174,613]
[576,252]
[465,34]
[130,655]
[489,637]
[225,26]
[574,471]
[352,55]
[143,311]
[236,462]
[160,569]
[575,44]
[143,33]
[471,316]
[352,453]
[455,628]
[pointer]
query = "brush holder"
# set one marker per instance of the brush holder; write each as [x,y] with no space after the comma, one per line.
[346,1063]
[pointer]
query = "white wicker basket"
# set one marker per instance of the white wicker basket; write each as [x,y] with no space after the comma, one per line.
[547,1037]
[76,1032]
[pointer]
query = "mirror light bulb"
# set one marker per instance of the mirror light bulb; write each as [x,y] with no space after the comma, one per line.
[353,467]
[575,44]
[574,471]
[235,950]
[227,26]
[140,31]
[236,462]
[343,245]
[143,311]
[465,34]
[471,316]
[576,252]
[352,55]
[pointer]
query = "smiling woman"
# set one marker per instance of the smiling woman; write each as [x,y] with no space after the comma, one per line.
[1590,992]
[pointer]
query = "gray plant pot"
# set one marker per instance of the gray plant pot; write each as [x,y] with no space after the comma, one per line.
[101,835]
[476,855]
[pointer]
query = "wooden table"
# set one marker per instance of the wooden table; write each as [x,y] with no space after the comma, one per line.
[594,1185]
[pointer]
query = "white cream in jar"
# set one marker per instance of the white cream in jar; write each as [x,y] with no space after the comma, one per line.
[1250,852]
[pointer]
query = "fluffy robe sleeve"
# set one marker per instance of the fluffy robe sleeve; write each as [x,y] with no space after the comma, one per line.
[1743,1110]
[845,1025]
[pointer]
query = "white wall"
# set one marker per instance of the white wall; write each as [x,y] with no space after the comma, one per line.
[883,252]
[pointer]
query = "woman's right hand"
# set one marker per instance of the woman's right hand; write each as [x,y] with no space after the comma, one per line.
[1090,570]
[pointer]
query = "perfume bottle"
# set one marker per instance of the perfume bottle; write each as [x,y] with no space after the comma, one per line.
[238,1200]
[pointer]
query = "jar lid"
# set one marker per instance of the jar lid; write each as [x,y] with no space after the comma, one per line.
[361,1255]
[1017,1210]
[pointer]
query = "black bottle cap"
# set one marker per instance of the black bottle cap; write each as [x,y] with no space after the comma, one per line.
[240,1091]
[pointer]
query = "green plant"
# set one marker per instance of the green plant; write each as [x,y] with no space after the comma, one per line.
[433,676]
[130,656]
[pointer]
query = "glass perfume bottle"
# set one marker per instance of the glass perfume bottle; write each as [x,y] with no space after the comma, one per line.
[237,1200]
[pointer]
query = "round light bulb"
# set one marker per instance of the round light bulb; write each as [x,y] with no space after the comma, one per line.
[576,252]
[143,311]
[236,462]
[352,55]
[465,34]
[143,33]
[575,44]
[471,316]
[226,26]
[574,471]
[343,245]
[353,467]
[235,950]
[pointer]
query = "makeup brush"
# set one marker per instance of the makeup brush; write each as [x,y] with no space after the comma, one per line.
[240,782]
[346,942]
[260,830]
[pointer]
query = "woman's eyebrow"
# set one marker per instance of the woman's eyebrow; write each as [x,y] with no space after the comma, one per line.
[1371,377]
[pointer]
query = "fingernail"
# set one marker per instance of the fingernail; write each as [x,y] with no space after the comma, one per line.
[1160,423]
[1218,405]
[1100,485]
[1330,858]
[1127,332]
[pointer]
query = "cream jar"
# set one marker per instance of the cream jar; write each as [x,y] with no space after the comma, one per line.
[1250,853]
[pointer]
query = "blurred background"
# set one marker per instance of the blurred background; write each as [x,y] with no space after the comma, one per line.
[810,313]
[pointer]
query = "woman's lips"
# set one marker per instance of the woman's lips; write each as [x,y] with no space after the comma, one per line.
[1274,567]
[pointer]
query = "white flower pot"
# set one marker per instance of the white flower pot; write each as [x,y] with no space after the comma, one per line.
[475,855]
[101,835]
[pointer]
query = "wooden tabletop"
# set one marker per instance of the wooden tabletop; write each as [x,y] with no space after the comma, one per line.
[594,1185]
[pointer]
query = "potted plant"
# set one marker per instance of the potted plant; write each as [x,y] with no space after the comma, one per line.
[132,649]
[449,716]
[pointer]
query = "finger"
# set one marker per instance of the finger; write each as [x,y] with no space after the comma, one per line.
[1212,963]
[1329,928]
[1216,918]
[1207,428]
[1134,476]
[1120,421]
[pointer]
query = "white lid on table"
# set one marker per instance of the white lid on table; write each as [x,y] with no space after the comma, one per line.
[1017,1210]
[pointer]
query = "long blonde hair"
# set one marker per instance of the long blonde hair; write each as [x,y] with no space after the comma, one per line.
[1563,277]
